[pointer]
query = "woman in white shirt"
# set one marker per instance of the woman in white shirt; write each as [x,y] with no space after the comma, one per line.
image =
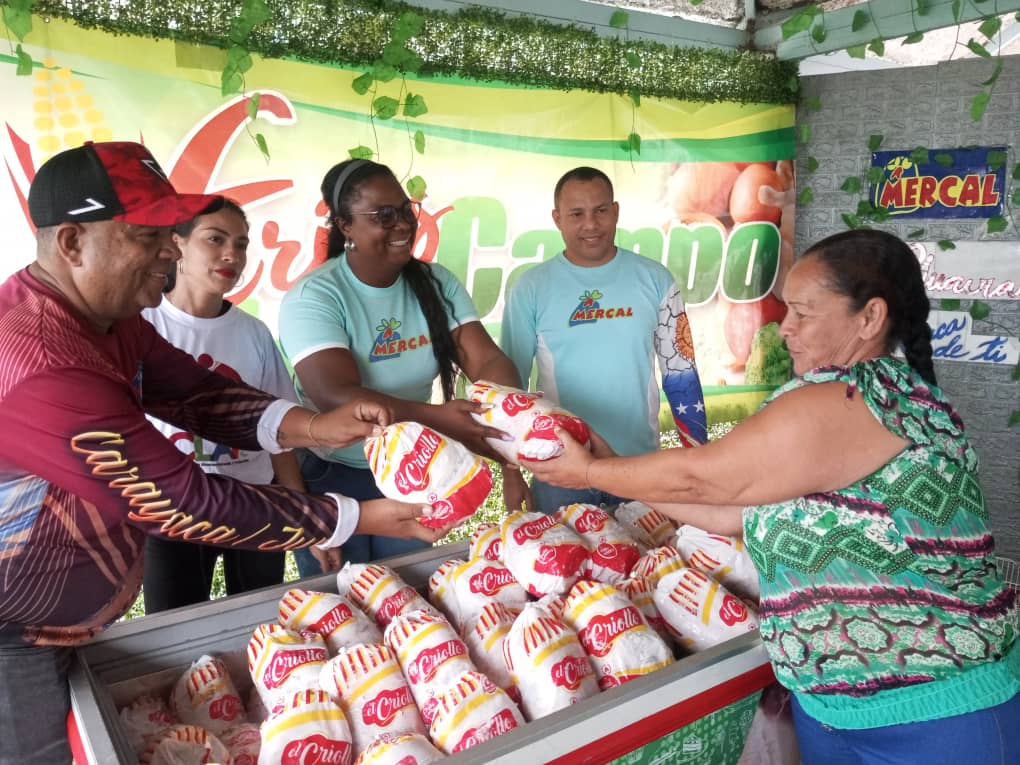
[196,317]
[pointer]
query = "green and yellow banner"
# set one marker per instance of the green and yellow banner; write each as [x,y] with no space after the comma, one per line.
[709,190]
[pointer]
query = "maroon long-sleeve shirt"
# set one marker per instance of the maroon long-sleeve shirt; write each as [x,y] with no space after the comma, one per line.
[84,476]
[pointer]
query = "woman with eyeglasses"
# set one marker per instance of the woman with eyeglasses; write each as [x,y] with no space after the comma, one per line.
[375,322]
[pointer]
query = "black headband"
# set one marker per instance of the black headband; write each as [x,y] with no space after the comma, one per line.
[342,179]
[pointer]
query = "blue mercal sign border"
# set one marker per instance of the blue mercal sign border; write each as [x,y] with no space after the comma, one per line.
[941,183]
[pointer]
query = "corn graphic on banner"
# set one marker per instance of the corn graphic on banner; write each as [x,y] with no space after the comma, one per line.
[710,194]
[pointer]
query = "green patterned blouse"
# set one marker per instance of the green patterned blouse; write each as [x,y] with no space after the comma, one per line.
[873,594]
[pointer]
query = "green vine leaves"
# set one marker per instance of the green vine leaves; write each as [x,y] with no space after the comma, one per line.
[632,144]
[398,58]
[253,13]
[17,16]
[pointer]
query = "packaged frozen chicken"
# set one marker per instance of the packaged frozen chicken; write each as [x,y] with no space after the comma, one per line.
[485,542]
[723,558]
[144,719]
[547,662]
[184,745]
[406,749]
[311,727]
[649,527]
[333,617]
[484,638]
[471,711]
[700,612]
[430,653]
[613,549]
[244,742]
[529,418]
[614,634]
[543,555]
[367,681]
[205,696]
[413,463]
[441,591]
[658,562]
[378,591]
[479,582]
[282,662]
[641,592]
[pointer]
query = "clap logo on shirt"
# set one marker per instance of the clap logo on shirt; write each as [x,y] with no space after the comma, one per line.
[388,344]
[589,310]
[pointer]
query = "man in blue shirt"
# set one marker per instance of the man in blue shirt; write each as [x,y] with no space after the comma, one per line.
[596,318]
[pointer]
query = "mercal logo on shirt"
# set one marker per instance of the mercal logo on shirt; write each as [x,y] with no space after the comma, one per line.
[388,344]
[589,310]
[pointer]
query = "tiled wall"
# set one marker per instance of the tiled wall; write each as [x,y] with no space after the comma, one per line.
[928,106]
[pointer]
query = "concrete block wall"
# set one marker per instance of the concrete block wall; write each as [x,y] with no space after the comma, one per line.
[927,106]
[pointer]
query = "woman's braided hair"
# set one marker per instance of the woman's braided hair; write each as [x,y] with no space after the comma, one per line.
[435,306]
[863,264]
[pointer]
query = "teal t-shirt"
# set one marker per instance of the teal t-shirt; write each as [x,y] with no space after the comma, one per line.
[595,335]
[383,328]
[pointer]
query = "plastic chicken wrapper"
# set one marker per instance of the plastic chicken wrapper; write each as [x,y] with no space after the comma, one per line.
[144,719]
[205,696]
[184,745]
[614,634]
[543,555]
[379,591]
[547,662]
[407,749]
[649,527]
[244,742]
[485,542]
[658,562]
[333,617]
[366,680]
[529,418]
[471,711]
[700,612]
[310,728]
[723,558]
[430,653]
[413,463]
[613,549]
[441,591]
[554,603]
[479,582]
[282,662]
[641,592]
[484,639]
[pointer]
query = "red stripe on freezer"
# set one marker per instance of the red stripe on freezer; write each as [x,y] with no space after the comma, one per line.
[665,721]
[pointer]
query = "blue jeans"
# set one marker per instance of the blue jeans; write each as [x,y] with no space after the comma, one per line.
[548,498]
[986,737]
[357,483]
[34,701]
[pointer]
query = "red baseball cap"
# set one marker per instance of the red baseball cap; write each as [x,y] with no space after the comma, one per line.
[117,180]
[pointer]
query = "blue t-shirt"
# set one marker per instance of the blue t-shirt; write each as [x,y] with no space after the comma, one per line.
[383,328]
[595,333]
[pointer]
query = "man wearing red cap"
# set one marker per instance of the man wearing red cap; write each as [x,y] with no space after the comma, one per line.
[83,475]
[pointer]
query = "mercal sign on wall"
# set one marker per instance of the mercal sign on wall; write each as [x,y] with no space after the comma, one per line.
[941,183]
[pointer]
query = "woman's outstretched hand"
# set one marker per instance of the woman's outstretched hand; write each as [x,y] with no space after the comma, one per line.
[570,469]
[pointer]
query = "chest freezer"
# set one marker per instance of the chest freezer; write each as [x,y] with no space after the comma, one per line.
[697,710]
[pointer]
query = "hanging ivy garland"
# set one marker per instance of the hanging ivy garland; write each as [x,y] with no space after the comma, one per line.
[473,43]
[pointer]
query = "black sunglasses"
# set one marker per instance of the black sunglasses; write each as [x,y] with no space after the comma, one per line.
[387,215]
